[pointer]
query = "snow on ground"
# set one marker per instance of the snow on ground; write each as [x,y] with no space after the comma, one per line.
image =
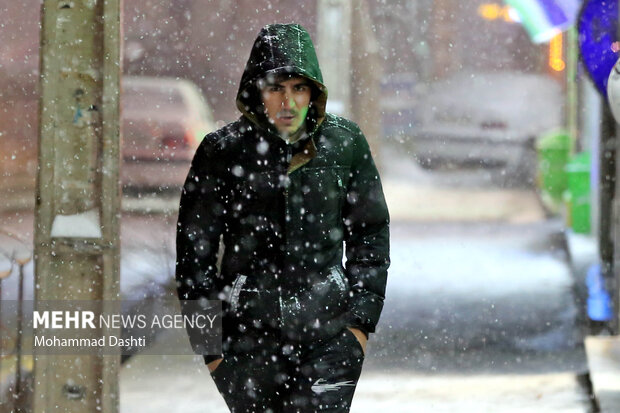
[182,384]
[500,262]
[455,394]
[462,195]
[420,202]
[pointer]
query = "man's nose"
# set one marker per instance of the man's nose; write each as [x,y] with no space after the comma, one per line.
[288,102]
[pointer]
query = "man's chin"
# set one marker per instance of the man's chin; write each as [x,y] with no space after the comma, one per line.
[289,130]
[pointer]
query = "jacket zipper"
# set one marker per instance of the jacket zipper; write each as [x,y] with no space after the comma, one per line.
[342,194]
[289,155]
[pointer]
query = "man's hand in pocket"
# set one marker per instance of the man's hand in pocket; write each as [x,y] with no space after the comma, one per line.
[213,365]
[361,337]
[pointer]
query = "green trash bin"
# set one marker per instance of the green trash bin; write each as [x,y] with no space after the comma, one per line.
[553,151]
[578,193]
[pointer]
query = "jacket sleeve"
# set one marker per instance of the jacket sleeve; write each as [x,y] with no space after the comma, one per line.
[366,223]
[199,227]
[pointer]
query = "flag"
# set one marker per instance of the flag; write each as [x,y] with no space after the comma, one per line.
[543,19]
[598,35]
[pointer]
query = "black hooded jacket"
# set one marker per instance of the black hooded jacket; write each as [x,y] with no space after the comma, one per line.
[283,213]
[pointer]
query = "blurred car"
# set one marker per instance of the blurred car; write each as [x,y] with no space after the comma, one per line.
[398,104]
[485,119]
[164,121]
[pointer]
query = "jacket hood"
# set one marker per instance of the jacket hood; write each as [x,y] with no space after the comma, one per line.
[281,49]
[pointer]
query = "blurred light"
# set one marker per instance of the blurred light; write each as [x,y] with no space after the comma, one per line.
[514,15]
[489,11]
[615,47]
[556,53]
[494,11]
[546,35]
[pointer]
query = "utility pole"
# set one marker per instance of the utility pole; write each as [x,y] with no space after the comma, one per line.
[615,277]
[443,38]
[609,219]
[349,56]
[366,77]
[77,249]
[334,47]
[609,227]
[572,97]
[609,232]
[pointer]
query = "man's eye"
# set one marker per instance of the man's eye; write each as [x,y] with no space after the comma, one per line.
[301,88]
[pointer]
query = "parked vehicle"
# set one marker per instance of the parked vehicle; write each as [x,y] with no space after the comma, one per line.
[163,120]
[487,120]
[398,105]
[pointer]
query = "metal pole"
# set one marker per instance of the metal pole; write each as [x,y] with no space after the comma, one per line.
[18,342]
[571,87]
[1,335]
[21,258]
[613,279]
[3,275]
[609,224]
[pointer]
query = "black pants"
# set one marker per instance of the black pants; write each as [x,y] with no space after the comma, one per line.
[284,377]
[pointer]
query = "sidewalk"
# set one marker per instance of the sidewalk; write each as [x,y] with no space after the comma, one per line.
[604,361]
[432,203]
[603,352]
[181,384]
[407,201]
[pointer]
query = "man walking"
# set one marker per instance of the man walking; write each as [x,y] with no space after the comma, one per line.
[286,189]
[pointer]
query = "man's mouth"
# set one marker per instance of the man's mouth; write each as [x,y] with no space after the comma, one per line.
[287,117]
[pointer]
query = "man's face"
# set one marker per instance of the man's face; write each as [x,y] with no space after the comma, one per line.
[286,102]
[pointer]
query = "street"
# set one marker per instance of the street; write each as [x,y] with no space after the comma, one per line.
[493,127]
[478,317]
[479,312]
[483,297]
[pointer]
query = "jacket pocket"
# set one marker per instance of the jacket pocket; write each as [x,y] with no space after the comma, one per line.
[336,276]
[251,304]
[316,312]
